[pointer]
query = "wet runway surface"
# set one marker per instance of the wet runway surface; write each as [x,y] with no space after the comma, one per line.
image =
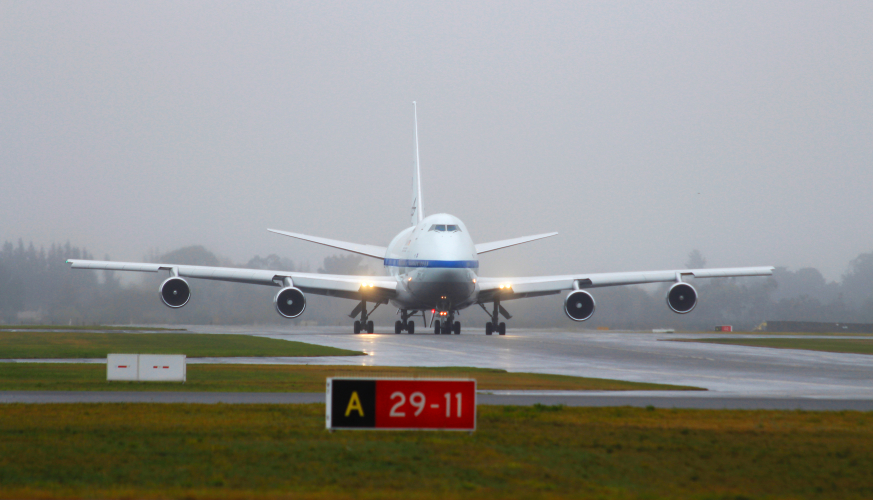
[734,376]
[639,357]
[658,399]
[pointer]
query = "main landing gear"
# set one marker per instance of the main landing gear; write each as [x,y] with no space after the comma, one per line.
[404,323]
[501,328]
[495,325]
[363,325]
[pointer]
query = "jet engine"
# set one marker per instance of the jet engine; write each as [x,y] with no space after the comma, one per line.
[290,302]
[579,305]
[175,292]
[682,298]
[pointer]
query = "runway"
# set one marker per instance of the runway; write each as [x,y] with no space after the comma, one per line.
[734,376]
[657,399]
[640,357]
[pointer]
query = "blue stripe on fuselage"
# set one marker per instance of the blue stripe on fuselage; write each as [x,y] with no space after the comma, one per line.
[432,263]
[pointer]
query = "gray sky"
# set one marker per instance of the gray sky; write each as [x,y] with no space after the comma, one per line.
[639,131]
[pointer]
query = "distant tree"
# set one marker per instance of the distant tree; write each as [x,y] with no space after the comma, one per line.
[11,293]
[858,280]
[344,264]
[194,255]
[272,262]
[807,281]
[695,260]
[110,280]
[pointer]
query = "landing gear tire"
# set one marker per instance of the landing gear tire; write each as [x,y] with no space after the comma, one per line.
[457,327]
[410,327]
[370,326]
[501,328]
[436,327]
[447,328]
[398,327]
[489,328]
[357,327]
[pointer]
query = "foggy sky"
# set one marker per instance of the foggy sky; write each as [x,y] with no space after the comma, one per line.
[639,131]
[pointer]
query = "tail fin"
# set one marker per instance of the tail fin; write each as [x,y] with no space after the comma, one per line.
[417,210]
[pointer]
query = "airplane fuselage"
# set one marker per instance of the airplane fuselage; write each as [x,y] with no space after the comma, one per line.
[435,264]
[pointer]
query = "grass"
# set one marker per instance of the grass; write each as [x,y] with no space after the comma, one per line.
[854,346]
[793,334]
[119,328]
[285,378]
[283,451]
[34,344]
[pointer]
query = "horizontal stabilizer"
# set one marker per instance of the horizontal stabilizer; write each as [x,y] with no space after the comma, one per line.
[368,250]
[497,245]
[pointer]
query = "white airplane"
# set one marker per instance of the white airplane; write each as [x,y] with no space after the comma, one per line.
[432,266]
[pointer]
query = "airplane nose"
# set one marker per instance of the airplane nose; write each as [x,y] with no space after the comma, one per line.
[452,285]
[449,275]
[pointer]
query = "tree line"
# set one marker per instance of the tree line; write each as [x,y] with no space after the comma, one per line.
[37,286]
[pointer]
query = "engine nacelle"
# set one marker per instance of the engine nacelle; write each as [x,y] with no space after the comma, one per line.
[579,305]
[682,298]
[175,292]
[290,302]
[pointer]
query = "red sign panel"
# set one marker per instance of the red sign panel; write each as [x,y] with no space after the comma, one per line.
[426,404]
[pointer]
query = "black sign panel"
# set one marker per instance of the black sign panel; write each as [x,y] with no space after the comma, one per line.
[353,403]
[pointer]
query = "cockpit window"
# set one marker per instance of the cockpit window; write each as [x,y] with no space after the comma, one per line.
[451,228]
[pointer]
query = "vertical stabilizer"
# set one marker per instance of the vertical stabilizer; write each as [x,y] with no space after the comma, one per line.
[417,211]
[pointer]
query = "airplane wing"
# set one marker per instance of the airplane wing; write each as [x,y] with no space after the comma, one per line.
[368,250]
[497,245]
[518,288]
[371,288]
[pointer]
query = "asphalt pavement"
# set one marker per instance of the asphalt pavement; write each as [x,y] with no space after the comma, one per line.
[733,376]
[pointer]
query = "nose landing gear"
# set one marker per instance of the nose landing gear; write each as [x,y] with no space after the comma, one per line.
[447,326]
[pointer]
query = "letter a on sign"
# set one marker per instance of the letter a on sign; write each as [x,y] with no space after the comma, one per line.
[354,405]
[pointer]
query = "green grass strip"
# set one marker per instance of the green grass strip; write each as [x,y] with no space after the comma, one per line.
[854,346]
[89,328]
[283,451]
[287,378]
[28,344]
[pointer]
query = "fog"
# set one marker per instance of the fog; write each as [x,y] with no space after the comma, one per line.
[639,131]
